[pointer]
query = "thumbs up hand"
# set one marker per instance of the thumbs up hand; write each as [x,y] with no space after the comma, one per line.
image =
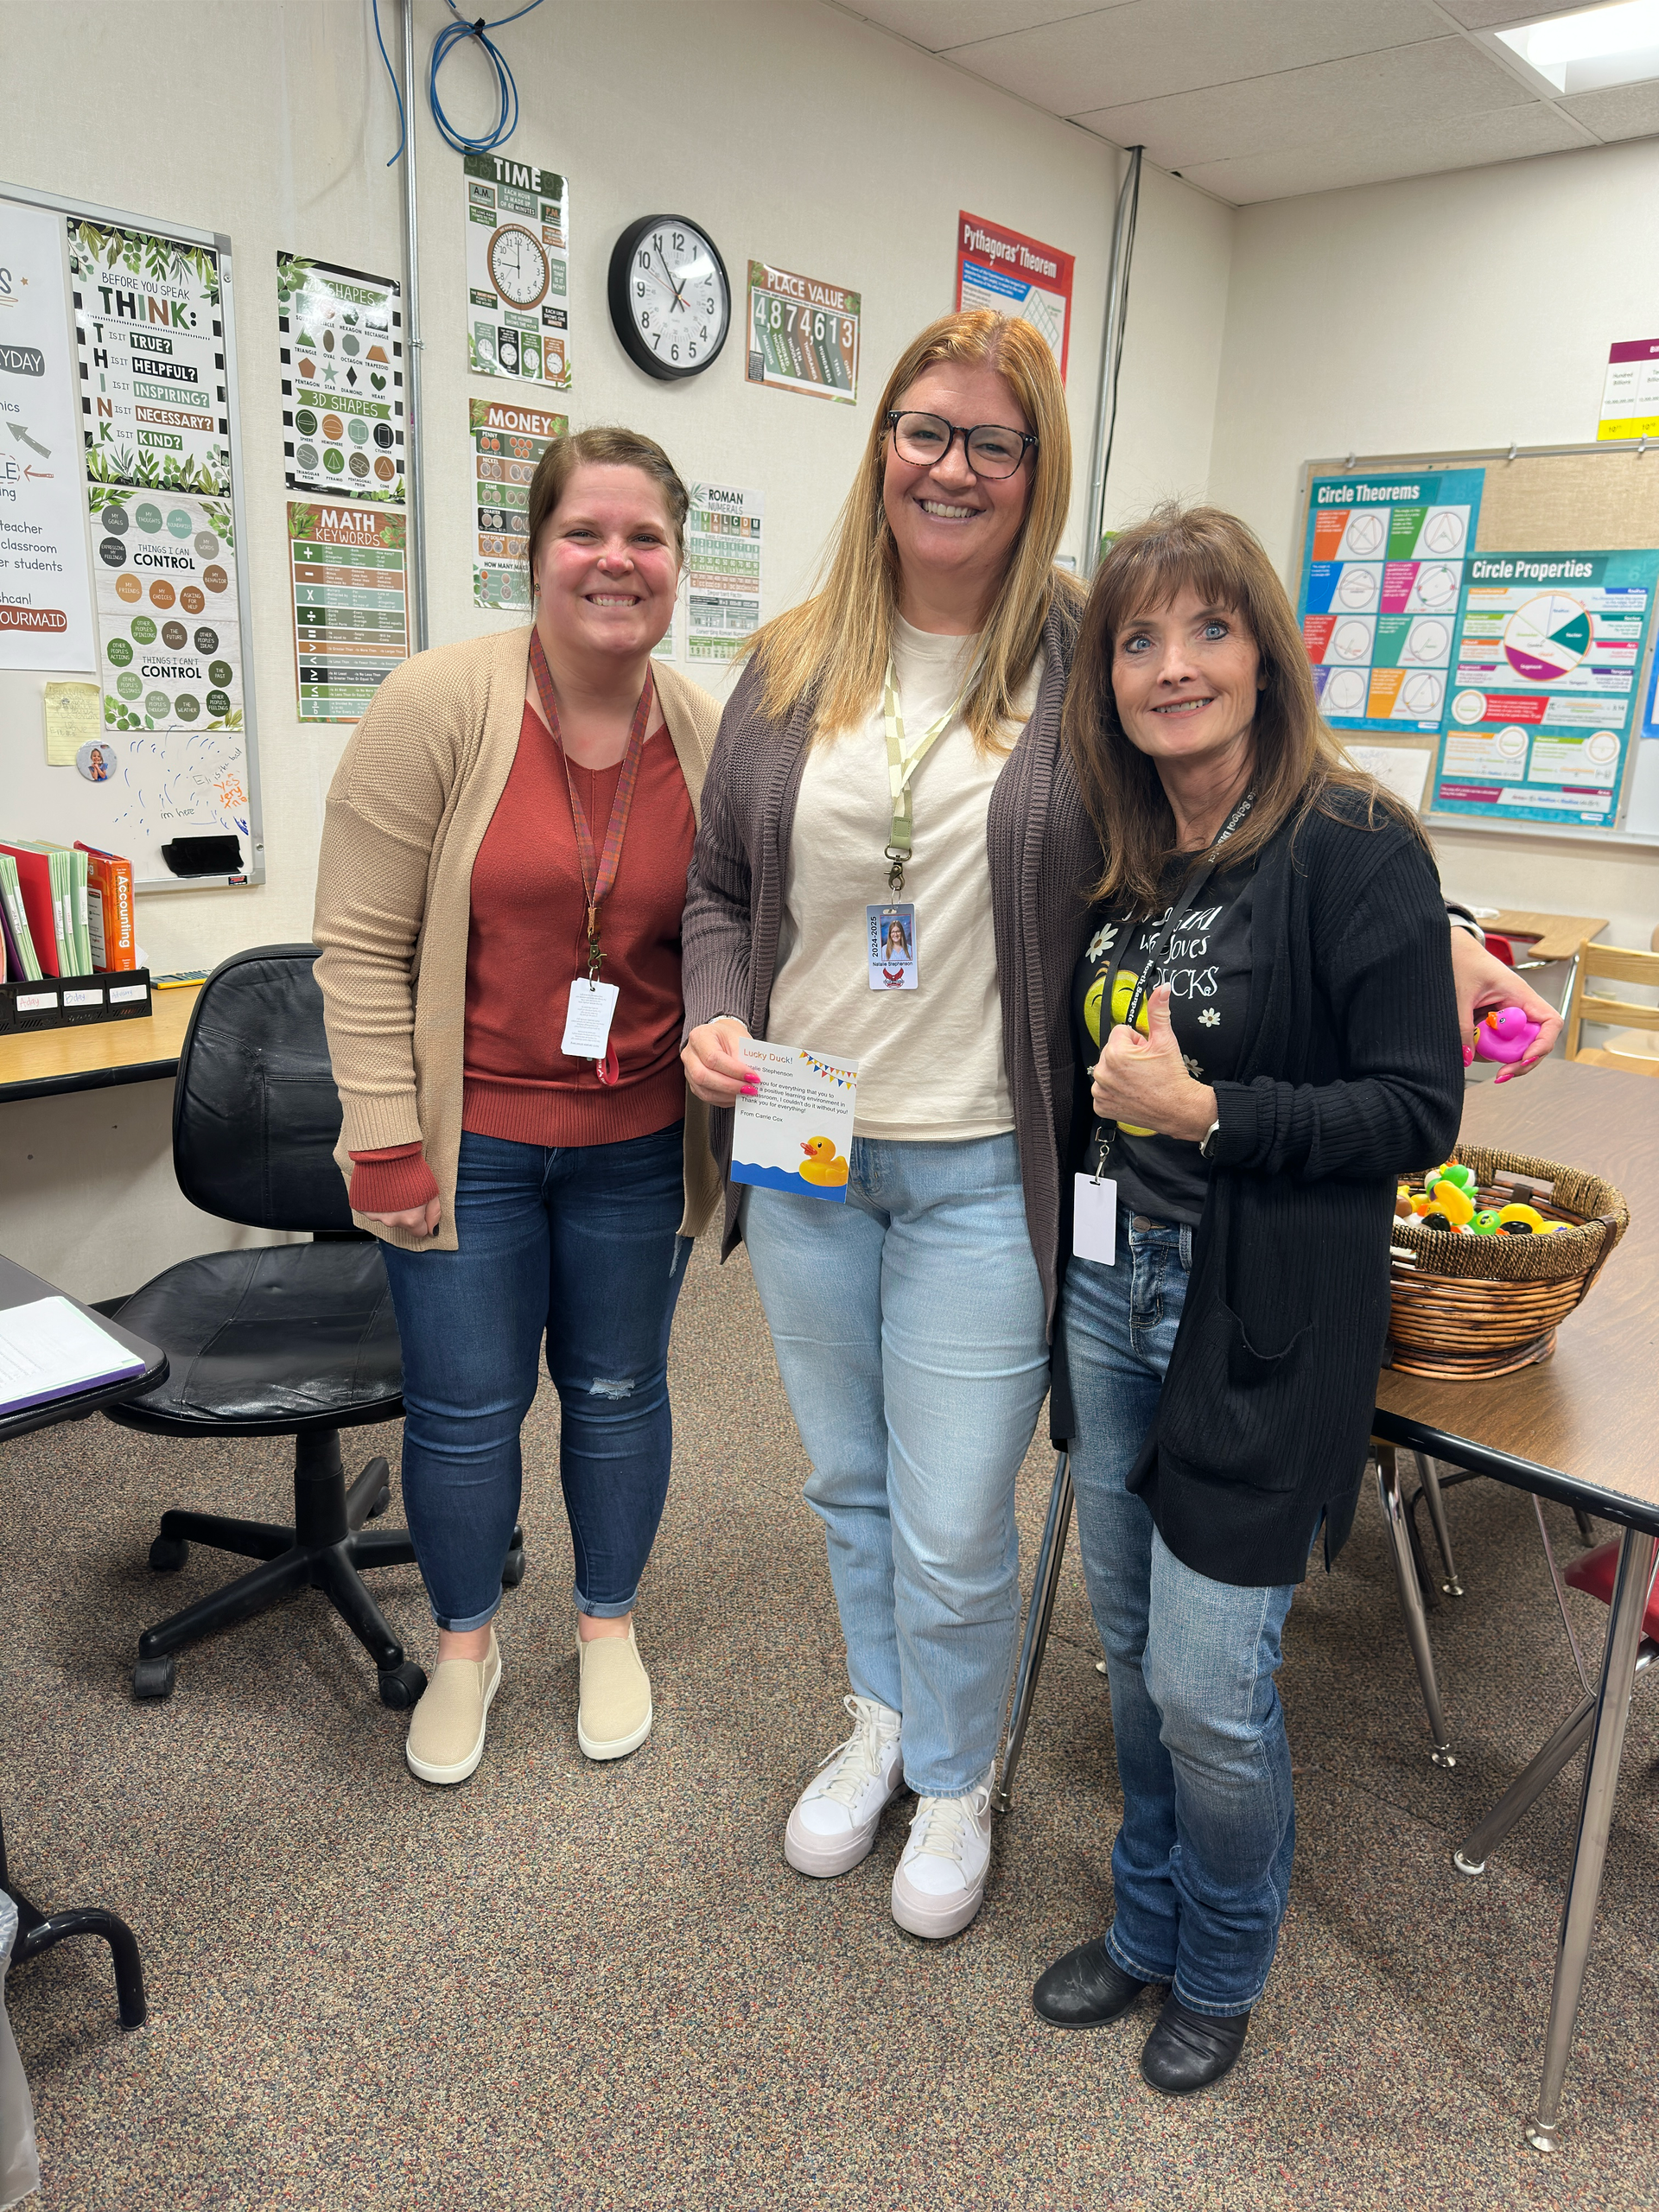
[1142,1082]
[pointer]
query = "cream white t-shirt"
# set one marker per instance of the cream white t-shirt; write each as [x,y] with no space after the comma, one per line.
[929,1060]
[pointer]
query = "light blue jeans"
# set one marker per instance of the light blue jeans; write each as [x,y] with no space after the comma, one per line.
[1201,1867]
[909,1330]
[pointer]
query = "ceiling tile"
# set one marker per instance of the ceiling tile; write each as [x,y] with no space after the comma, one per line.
[1622,111]
[939,23]
[1490,14]
[1370,97]
[1386,151]
[1152,48]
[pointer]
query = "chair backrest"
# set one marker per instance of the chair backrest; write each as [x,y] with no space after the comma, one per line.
[1613,964]
[256,1115]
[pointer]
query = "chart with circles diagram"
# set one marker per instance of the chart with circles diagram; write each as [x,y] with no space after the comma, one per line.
[1381,576]
[1543,686]
[342,357]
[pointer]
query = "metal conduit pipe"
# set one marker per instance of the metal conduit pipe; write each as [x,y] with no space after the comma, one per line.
[415,474]
[1111,356]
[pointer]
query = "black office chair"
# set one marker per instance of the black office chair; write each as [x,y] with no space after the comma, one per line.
[294,1340]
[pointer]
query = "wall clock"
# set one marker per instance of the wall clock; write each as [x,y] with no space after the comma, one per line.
[670,302]
[518,266]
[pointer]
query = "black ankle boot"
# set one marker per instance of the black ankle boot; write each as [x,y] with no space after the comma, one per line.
[1085,1988]
[1189,2050]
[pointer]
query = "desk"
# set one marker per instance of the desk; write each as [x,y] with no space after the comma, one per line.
[93,1055]
[1579,1428]
[1546,937]
[38,1931]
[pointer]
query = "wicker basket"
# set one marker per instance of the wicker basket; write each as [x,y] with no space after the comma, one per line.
[1482,1305]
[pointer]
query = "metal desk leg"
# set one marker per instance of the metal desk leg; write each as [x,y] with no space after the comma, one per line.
[1411,1598]
[1044,1585]
[1636,1556]
[1429,1476]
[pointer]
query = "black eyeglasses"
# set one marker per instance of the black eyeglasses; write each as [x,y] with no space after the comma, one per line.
[924,440]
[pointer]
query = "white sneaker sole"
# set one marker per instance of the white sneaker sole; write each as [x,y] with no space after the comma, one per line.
[919,1914]
[823,1857]
[619,1746]
[462,1768]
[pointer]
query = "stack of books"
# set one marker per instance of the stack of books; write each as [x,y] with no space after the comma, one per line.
[65,910]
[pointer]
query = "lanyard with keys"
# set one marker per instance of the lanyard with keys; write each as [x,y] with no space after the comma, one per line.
[903,761]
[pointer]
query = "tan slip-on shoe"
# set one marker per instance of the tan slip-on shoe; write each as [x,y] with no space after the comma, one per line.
[446,1731]
[613,1717]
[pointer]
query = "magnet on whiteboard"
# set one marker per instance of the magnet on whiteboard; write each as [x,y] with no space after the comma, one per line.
[96,761]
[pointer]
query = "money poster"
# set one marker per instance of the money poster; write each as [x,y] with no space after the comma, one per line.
[518,243]
[154,412]
[351,619]
[507,443]
[169,644]
[341,349]
[722,559]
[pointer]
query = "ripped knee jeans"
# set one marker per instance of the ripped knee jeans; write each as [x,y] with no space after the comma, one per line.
[579,1243]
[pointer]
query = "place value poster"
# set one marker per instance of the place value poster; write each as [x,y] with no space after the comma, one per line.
[351,621]
[518,289]
[1382,572]
[1543,692]
[507,443]
[341,349]
[803,334]
[153,411]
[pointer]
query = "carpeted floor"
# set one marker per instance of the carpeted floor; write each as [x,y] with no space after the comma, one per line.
[573,1987]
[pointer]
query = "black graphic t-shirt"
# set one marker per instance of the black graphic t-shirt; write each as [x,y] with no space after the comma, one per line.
[1207,966]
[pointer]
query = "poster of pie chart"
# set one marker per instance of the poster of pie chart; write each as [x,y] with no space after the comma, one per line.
[1382,561]
[1542,688]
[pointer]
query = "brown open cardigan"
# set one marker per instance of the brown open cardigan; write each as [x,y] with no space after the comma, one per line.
[407,810]
[1043,859]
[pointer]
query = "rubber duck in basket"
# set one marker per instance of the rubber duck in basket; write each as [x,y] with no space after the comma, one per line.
[1450,1200]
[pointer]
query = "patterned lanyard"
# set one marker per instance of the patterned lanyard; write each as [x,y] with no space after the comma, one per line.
[902,763]
[596,880]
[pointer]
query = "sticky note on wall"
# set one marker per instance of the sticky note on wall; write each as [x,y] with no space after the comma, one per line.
[74,714]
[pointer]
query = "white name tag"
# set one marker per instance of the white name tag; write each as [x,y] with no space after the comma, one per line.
[1093,1221]
[587,1024]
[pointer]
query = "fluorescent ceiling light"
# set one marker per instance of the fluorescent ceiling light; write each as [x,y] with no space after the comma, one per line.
[1591,48]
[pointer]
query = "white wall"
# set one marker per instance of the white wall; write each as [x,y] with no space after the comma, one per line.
[1473,309]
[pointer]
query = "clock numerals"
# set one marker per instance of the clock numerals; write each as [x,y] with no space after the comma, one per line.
[670,298]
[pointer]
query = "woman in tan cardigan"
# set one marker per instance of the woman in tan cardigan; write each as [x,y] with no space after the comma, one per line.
[499,902]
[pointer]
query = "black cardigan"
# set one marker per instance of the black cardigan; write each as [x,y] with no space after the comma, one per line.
[1350,1073]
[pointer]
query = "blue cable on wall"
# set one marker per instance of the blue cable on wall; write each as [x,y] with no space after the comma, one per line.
[507,91]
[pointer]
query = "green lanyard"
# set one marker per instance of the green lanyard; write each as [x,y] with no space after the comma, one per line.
[903,761]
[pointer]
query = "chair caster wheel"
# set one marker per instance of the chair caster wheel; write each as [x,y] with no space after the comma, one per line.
[401,1686]
[153,1678]
[168,1555]
[381,1504]
[512,1569]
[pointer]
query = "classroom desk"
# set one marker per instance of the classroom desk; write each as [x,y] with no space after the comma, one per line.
[38,1931]
[1546,937]
[93,1055]
[1578,1428]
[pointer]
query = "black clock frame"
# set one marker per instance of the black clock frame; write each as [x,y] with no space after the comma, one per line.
[632,344]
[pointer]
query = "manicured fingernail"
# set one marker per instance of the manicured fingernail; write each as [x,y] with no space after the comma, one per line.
[750,1090]
[1468,1056]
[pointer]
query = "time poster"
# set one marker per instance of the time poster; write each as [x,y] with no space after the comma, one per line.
[517,288]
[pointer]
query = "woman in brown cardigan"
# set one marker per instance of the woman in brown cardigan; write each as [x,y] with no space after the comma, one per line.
[499,902]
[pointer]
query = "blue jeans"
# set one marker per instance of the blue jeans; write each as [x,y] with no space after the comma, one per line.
[1201,1867]
[581,1242]
[910,1333]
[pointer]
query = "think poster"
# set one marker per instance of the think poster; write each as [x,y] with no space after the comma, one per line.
[154,412]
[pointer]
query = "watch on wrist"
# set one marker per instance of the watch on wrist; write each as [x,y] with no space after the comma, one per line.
[1207,1142]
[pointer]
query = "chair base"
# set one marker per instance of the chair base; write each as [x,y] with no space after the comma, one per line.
[326,1548]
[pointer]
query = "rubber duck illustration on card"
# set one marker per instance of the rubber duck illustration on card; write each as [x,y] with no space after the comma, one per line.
[822,1164]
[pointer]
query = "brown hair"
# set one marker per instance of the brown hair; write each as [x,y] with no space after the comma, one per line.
[1300,762]
[609,446]
[834,647]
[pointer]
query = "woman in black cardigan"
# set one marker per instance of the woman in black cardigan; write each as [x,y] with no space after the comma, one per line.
[1225,1307]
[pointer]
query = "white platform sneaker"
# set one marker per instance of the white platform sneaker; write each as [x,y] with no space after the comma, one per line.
[938,1885]
[835,1818]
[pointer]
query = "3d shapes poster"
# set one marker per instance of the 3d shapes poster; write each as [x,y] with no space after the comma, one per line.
[1014,275]
[507,443]
[152,361]
[1382,569]
[341,346]
[1543,692]
[518,244]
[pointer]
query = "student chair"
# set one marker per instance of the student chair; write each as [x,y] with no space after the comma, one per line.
[293,1339]
[1631,1048]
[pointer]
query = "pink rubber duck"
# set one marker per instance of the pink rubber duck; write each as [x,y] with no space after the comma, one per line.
[1504,1034]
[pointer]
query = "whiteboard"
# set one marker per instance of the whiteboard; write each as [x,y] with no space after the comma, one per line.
[171,580]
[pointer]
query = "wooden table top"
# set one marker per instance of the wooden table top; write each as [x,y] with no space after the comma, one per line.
[1547,936]
[1590,1414]
[93,1054]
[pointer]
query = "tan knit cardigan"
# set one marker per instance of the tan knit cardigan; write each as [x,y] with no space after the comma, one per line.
[407,810]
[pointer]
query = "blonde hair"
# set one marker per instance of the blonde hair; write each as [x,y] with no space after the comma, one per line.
[834,647]
[1299,761]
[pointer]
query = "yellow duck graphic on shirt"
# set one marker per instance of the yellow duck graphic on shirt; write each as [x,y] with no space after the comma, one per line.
[822,1164]
[1122,991]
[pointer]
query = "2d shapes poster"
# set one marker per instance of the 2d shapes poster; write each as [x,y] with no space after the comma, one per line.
[722,561]
[341,346]
[517,248]
[45,590]
[351,615]
[1382,569]
[169,634]
[152,361]
[803,334]
[1014,275]
[1629,395]
[507,443]
[1543,692]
